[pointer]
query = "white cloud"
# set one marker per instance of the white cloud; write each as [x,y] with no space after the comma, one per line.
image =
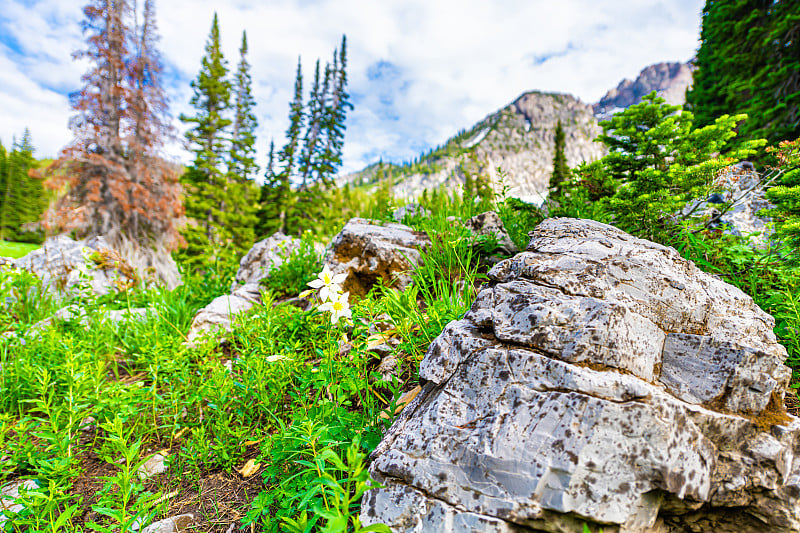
[449,63]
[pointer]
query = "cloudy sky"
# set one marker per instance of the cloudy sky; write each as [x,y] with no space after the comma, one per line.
[419,70]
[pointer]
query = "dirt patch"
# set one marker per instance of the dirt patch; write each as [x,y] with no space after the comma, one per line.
[791,402]
[219,498]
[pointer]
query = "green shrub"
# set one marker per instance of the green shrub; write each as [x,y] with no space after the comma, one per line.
[299,267]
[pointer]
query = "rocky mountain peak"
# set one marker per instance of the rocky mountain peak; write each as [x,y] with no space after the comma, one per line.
[519,139]
[669,80]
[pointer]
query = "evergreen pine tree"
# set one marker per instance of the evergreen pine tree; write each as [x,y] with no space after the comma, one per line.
[477,193]
[335,115]
[774,103]
[748,62]
[31,190]
[273,199]
[309,155]
[560,168]
[3,175]
[242,160]
[276,200]
[22,194]
[288,156]
[10,212]
[290,219]
[205,180]
[786,198]
[239,205]
[657,163]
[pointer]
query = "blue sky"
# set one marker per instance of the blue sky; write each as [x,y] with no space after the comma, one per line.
[419,70]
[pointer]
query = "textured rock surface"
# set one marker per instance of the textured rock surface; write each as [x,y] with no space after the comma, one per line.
[367,250]
[155,464]
[598,379]
[64,264]
[263,257]
[9,493]
[246,291]
[489,223]
[218,315]
[411,210]
[669,80]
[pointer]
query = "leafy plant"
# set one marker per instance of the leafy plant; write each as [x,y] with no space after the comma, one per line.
[122,499]
[295,271]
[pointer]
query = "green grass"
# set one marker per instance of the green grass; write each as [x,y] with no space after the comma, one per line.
[282,393]
[16,249]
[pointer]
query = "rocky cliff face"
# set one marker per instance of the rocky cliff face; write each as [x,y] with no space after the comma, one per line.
[519,139]
[669,80]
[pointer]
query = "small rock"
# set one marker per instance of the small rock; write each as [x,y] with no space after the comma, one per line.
[489,224]
[409,211]
[9,493]
[344,348]
[739,183]
[155,465]
[217,316]
[263,257]
[389,367]
[87,424]
[173,524]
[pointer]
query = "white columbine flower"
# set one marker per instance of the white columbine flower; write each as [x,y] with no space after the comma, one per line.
[328,284]
[339,306]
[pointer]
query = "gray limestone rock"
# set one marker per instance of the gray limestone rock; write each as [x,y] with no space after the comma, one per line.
[263,257]
[737,204]
[246,291]
[218,316]
[65,266]
[598,379]
[489,224]
[368,250]
[155,464]
[411,210]
[9,493]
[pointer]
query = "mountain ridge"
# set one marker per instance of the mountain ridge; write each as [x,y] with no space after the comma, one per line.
[514,145]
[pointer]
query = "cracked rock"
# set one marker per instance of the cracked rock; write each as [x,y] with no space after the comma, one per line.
[368,250]
[598,379]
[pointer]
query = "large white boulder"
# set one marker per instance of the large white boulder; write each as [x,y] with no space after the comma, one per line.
[599,379]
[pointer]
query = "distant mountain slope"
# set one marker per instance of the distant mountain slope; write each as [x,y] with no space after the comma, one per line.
[669,80]
[520,139]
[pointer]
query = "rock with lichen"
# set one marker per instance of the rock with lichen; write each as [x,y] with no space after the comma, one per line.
[598,379]
[368,250]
